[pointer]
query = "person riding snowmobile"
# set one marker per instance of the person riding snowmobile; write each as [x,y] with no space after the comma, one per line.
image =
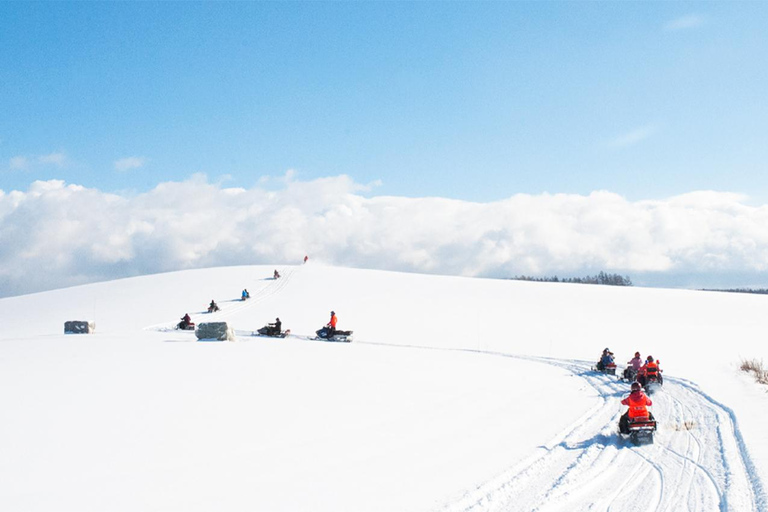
[245,295]
[331,325]
[630,373]
[213,306]
[276,275]
[276,327]
[638,404]
[186,321]
[605,359]
[650,371]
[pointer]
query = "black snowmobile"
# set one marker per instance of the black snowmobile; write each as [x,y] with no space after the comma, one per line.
[640,430]
[328,334]
[185,326]
[608,367]
[272,331]
[630,374]
[652,382]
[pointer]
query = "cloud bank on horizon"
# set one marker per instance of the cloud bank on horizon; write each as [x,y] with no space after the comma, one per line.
[56,234]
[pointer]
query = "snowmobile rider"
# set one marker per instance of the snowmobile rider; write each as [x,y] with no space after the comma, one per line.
[332,324]
[186,321]
[634,366]
[276,274]
[605,359]
[213,306]
[650,370]
[276,327]
[638,407]
[245,294]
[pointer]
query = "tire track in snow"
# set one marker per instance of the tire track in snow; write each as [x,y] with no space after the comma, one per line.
[233,306]
[274,287]
[698,463]
[738,469]
[691,456]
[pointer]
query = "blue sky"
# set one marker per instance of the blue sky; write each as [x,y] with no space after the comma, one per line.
[487,139]
[476,101]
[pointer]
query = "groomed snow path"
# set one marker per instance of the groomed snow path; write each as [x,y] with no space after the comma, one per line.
[697,463]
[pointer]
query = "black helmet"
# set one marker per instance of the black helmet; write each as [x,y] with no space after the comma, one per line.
[635,386]
[333,313]
[650,359]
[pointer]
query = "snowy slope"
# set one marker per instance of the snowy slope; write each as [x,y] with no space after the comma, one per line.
[457,394]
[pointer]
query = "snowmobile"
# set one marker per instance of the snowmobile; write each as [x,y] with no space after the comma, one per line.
[325,334]
[185,326]
[652,382]
[630,374]
[641,430]
[213,308]
[609,368]
[271,331]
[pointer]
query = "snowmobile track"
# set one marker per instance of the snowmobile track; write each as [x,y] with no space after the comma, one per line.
[229,308]
[698,462]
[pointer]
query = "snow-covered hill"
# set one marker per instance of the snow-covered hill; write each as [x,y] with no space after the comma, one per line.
[457,394]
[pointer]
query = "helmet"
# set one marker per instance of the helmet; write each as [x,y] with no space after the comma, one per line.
[650,359]
[635,386]
[637,354]
[333,313]
[606,349]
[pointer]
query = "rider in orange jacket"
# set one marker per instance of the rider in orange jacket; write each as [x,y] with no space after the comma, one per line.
[332,324]
[650,370]
[638,404]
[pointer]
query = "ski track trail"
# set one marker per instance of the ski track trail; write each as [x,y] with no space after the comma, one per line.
[698,462]
[230,307]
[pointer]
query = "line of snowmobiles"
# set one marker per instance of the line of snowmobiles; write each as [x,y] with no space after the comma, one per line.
[641,429]
[651,382]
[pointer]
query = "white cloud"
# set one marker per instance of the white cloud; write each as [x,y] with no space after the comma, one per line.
[684,23]
[57,159]
[633,137]
[79,235]
[18,162]
[22,162]
[132,162]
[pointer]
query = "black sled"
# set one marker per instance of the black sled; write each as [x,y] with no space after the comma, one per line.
[185,326]
[326,334]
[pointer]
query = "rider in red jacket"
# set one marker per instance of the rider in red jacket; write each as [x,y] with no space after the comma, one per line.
[638,407]
[650,370]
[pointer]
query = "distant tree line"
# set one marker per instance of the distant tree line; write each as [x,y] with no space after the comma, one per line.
[761,291]
[601,278]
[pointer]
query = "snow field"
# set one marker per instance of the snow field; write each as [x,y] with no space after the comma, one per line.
[159,422]
[458,394]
